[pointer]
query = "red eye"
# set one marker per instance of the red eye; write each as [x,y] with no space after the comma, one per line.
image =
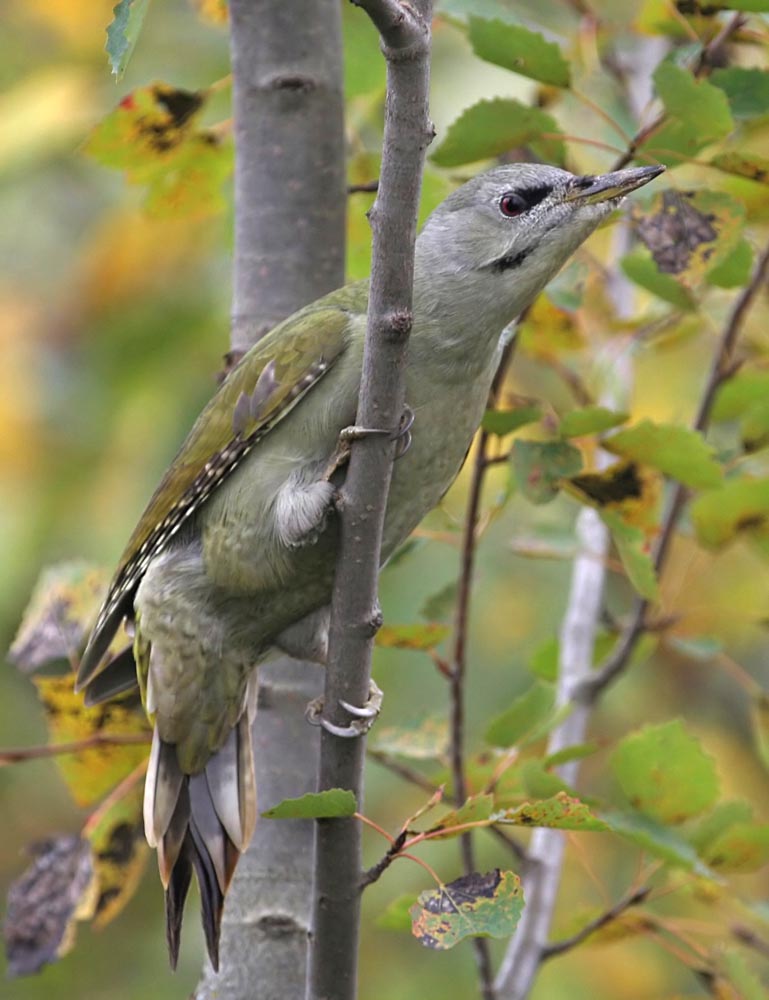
[512,204]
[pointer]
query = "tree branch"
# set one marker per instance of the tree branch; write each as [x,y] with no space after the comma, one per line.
[290,200]
[634,898]
[458,669]
[355,612]
[722,367]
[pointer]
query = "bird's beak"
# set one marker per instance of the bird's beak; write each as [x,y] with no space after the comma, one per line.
[605,187]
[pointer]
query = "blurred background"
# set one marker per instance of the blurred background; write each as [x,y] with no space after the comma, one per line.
[112,325]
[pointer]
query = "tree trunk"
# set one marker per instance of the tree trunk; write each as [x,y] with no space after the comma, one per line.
[289,250]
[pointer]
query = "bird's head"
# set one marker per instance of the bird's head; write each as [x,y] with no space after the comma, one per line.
[505,233]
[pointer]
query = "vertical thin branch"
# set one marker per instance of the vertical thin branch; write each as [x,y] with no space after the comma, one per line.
[405,34]
[289,201]
[459,664]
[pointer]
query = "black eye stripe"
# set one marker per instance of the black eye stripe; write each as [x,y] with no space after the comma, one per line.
[531,196]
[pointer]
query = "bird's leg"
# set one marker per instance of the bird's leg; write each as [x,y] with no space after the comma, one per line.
[364,716]
[347,435]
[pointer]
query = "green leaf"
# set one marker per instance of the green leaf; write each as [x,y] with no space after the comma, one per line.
[397,915]
[123,32]
[759,722]
[698,114]
[428,740]
[544,659]
[475,809]
[677,451]
[734,270]
[713,824]
[665,773]
[419,636]
[561,812]
[520,50]
[743,847]
[590,420]
[502,422]
[315,805]
[634,552]
[576,752]
[490,128]
[640,267]
[741,978]
[471,906]
[658,840]
[440,605]
[540,466]
[525,715]
[749,165]
[541,783]
[747,90]
[742,391]
[740,505]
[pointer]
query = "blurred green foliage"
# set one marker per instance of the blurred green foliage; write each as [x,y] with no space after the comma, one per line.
[113,319]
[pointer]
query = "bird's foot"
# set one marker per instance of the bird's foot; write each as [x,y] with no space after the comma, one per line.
[364,716]
[347,435]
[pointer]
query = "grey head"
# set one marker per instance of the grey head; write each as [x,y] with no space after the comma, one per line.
[495,242]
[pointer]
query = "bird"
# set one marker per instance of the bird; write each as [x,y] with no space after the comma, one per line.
[233,560]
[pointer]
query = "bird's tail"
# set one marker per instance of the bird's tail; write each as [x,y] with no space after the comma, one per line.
[200,822]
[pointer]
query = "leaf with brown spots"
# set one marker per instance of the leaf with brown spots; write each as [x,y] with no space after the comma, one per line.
[691,233]
[60,612]
[427,740]
[154,136]
[540,466]
[120,854]
[99,766]
[561,812]
[419,636]
[45,902]
[471,906]
[476,809]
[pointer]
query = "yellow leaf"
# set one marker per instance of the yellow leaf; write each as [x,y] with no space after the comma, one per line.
[94,770]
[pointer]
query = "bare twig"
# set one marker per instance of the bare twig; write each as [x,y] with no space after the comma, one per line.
[705,62]
[16,755]
[355,617]
[721,369]
[748,937]
[635,898]
[369,187]
[457,673]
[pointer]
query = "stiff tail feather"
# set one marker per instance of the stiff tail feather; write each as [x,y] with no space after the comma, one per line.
[200,822]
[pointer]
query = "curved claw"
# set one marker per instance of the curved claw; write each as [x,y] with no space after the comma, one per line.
[403,434]
[365,715]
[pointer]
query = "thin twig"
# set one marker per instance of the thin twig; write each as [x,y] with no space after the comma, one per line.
[747,936]
[566,944]
[721,369]
[702,66]
[368,187]
[16,755]
[459,663]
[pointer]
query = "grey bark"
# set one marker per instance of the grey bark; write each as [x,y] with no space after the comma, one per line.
[405,33]
[289,250]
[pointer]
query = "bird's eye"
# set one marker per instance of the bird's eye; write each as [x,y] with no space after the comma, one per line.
[512,204]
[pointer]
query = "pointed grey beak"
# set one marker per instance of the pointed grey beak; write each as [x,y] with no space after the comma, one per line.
[605,187]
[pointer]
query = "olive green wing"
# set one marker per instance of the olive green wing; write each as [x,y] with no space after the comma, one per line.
[266,385]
